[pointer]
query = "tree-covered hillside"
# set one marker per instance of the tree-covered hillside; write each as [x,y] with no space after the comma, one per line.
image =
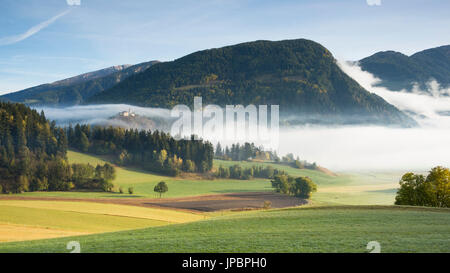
[299,75]
[398,71]
[29,144]
[75,90]
[33,156]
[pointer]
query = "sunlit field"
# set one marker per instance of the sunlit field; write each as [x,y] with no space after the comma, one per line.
[363,188]
[30,219]
[320,229]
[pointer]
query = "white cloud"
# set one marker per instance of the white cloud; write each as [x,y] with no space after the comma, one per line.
[425,108]
[374,2]
[35,29]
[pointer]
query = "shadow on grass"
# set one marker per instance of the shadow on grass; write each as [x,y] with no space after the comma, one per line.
[123,196]
[393,190]
[243,190]
[109,159]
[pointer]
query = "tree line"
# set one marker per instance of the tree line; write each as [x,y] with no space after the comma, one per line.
[33,155]
[431,191]
[297,163]
[247,151]
[154,151]
[238,172]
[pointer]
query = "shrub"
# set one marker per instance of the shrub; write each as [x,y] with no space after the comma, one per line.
[267,205]
[120,190]
[130,190]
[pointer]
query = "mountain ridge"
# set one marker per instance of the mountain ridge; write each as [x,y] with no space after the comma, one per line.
[398,71]
[75,90]
[300,75]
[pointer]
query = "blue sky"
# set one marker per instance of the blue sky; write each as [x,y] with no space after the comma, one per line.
[47,40]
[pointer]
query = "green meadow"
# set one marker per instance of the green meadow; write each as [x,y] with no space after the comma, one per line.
[348,211]
[342,188]
[309,229]
[33,219]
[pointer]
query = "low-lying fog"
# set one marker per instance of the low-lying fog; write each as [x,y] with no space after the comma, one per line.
[342,148]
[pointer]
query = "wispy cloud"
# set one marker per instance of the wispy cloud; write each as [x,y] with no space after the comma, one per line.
[373,2]
[35,29]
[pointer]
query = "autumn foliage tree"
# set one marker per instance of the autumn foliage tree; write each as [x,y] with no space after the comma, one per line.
[432,191]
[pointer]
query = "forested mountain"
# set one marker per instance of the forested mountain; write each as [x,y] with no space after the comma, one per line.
[75,90]
[299,75]
[398,71]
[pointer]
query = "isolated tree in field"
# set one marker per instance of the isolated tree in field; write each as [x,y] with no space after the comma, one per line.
[303,187]
[161,188]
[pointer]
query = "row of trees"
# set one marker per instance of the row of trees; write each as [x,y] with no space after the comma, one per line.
[297,163]
[301,187]
[154,151]
[431,191]
[238,172]
[86,176]
[33,155]
[58,175]
[246,151]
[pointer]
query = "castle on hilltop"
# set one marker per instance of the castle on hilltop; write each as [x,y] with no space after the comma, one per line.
[128,113]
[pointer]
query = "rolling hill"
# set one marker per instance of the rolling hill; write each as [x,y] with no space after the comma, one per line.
[299,75]
[310,229]
[398,71]
[75,90]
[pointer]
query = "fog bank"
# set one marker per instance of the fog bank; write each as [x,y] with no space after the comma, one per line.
[342,148]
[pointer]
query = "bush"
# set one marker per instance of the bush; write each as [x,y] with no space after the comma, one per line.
[130,190]
[120,190]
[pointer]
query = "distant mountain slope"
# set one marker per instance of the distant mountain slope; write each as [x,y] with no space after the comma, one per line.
[398,71]
[75,90]
[299,75]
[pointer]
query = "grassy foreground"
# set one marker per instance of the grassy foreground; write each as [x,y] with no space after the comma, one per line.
[314,229]
[30,220]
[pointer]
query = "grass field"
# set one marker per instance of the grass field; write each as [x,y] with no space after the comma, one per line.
[311,229]
[346,188]
[362,188]
[27,220]
[144,182]
[323,226]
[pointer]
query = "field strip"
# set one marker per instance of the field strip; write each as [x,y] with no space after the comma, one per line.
[28,222]
[361,188]
[14,232]
[165,215]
